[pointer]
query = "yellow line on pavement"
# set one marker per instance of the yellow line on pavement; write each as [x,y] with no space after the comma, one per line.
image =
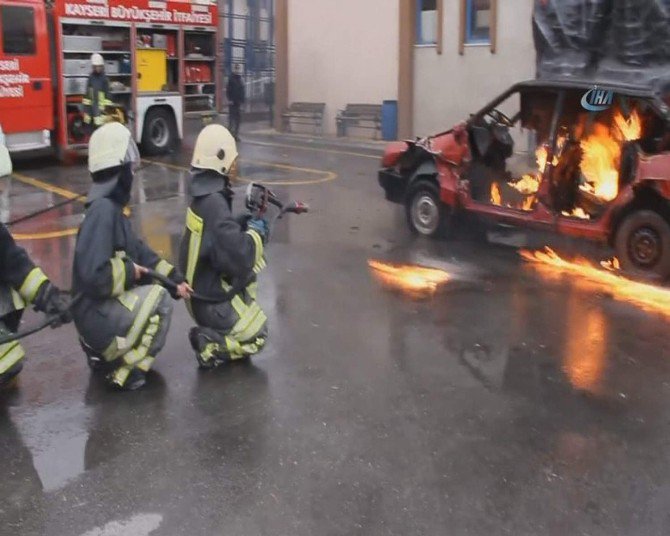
[316,149]
[67,194]
[49,234]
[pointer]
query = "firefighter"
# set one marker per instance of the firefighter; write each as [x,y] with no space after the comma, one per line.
[122,318]
[221,257]
[22,283]
[97,94]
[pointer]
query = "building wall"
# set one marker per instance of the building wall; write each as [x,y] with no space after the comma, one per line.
[341,52]
[448,87]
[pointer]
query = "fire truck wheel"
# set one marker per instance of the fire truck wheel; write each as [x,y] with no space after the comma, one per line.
[427,215]
[159,133]
[643,245]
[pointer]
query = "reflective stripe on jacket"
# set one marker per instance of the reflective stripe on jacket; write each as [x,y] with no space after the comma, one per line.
[216,254]
[97,96]
[107,247]
[18,271]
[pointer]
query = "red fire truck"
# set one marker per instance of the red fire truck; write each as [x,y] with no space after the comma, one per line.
[160,58]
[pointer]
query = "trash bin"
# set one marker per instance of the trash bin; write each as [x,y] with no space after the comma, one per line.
[390,120]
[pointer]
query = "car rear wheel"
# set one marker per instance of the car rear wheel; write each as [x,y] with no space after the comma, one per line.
[426,214]
[159,133]
[643,245]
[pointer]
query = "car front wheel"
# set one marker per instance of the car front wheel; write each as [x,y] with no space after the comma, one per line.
[426,214]
[643,245]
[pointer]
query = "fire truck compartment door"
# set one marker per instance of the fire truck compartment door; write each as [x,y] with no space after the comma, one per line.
[151,69]
[26,90]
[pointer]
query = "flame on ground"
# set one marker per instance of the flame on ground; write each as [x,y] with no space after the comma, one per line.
[416,281]
[647,297]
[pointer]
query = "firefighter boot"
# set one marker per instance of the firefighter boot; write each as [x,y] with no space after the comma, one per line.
[210,347]
[126,378]
[95,362]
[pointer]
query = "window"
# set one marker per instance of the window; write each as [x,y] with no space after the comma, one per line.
[478,23]
[18,30]
[426,22]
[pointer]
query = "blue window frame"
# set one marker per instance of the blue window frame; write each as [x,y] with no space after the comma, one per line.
[478,21]
[426,22]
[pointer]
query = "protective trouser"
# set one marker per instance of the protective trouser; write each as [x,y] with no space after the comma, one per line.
[127,331]
[234,119]
[11,353]
[230,330]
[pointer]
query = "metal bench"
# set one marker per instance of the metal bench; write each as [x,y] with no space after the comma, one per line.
[359,116]
[304,113]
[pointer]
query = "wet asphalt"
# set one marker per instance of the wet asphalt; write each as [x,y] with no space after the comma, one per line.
[510,403]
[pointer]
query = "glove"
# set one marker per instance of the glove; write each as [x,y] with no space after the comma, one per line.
[177,278]
[260,226]
[54,303]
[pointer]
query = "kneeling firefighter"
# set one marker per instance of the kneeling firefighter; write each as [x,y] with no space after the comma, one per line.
[221,256]
[122,318]
[23,283]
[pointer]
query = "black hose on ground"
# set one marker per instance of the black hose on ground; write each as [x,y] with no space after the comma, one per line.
[45,210]
[39,327]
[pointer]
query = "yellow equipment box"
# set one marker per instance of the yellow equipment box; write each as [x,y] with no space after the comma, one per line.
[151,69]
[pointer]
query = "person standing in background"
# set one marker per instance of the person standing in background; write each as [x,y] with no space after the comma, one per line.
[97,96]
[235,95]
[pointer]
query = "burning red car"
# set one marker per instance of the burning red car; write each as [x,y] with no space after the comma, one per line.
[584,161]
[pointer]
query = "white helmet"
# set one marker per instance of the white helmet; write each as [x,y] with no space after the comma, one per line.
[215,149]
[97,61]
[110,146]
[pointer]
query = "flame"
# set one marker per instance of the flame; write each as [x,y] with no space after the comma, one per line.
[577,212]
[600,163]
[602,154]
[601,159]
[528,184]
[612,264]
[496,198]
[647,297]
[416,281]
[528,202]
[629,129]
[541,155]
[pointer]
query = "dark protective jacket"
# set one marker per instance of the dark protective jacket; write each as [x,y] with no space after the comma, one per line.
[97,95]
[17,270]
[105,252]
[235,90]
[216,254]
